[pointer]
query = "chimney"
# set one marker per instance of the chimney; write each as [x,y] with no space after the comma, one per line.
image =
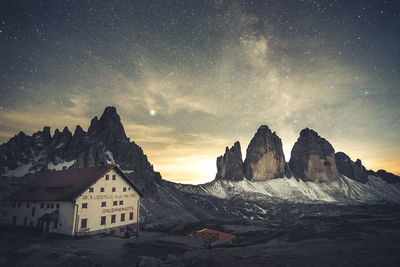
[44,168]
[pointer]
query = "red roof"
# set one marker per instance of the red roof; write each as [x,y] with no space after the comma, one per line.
[211,234]
[65,185]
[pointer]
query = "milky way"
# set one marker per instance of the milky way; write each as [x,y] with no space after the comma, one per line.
[191,77]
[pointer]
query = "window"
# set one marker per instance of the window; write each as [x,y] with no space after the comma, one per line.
[107,177]
[112,218]
[84,205]
[121,202]
[33,211]
[91,189]
[129,188]
[52,206]
[57,205]
[83,223]
[122,217]
[48,205]
[113,189]
[31,224]
[115,203]
[25,221]
[103,220]
[102,189]
[114,176]
[124,189]
[130,216]
[42,205]
[103,204]
[27,205]
[14,205]
[19,205]
[122,230]
[55,224]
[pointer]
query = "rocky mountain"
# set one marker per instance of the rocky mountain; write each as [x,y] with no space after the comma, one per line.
[313,158]
[342,190]
[351,169]
[230,165]
[229,196]
[386,176]
[264,156]
[104,142]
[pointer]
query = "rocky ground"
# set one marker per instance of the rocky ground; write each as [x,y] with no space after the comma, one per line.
[368,236]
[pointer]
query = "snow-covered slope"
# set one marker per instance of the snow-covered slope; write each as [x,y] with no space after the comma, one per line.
[342,190]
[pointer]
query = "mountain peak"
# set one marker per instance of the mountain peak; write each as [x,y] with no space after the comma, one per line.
[313,158]
[108,127]
[263,127]
[352,170]
[230,165]
[264,157]
[66,130]
[78,131]
[308,132]
[110,110]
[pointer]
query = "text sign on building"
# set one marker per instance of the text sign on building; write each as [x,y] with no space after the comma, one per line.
[91,197]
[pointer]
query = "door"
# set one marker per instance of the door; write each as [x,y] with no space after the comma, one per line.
[47,226]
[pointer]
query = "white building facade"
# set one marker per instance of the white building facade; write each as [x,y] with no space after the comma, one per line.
[78,202]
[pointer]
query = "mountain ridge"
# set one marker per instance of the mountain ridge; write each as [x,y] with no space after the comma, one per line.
[105,141]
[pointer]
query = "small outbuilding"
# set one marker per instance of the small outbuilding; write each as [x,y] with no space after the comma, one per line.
[212,237]
[77,202]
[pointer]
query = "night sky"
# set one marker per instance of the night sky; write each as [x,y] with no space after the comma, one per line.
[191,77]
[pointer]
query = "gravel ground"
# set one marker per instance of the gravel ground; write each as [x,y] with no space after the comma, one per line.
[369,237]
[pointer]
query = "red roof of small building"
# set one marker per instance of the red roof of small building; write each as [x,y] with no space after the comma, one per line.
[211,234]
[65,185]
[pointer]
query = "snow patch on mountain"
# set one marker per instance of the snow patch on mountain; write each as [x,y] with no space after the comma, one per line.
[20,171]
[110,158]
[341,191]
[60,166]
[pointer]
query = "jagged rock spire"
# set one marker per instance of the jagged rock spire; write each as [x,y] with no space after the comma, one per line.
[264,157]
[108,128]
[230,165]
[352,170]
[313,158]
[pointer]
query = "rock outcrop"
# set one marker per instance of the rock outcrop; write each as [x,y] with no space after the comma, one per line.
[264,156]
[386,176]
[352,170]
[313,158]
[230,165]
